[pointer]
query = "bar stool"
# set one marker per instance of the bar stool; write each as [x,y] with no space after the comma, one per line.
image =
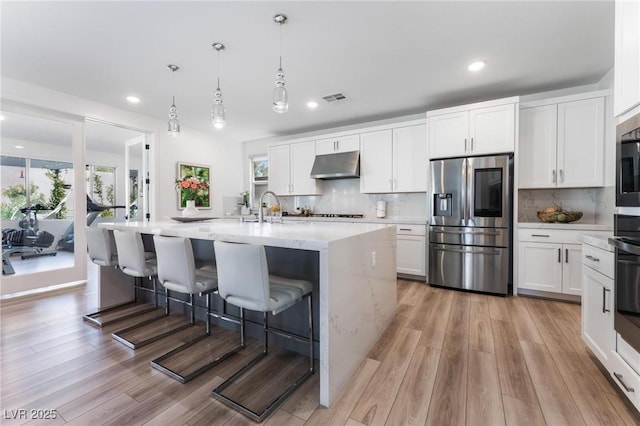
[134,261]
[177,272]
[244,281]
[102,252]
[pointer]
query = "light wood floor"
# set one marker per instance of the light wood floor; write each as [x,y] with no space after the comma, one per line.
[447,358]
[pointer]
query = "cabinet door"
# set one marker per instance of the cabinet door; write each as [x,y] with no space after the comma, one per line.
[302,156]
[410,162]
[627,56]
[492,129]
[411,255]
[376,174]
[338,144]
[540,266]
[279,169]
[537,153]
[572,269]
[597,313]
[581,143]
[448,134]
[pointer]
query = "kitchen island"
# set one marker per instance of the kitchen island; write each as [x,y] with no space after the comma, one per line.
[355,276]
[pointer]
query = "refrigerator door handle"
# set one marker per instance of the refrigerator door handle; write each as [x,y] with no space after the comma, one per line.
[465,232]
[470,251]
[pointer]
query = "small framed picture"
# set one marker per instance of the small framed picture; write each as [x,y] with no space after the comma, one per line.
[193,183]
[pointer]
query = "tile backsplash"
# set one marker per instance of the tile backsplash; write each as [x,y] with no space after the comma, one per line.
[343,196]
[597,204]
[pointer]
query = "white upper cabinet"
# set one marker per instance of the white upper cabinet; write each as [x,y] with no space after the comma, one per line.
[477,129]
[537,152]
[290,167]
[394,160]
[627,56]
[338,144]
[562,145]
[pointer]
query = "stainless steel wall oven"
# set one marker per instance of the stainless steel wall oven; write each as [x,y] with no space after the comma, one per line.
[628,163]
[627,278]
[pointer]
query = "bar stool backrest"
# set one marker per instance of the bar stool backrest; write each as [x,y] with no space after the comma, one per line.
[131,255]
[101,246]
[243,275]
[176,264]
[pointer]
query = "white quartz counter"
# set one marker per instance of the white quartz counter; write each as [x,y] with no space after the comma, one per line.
[599,241]
[571,226]
[304,235]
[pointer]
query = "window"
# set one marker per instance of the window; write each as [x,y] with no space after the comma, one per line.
[259,178]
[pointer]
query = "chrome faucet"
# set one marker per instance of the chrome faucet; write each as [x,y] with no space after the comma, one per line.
[260,214]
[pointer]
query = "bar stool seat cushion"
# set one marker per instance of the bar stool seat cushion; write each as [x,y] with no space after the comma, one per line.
[101,247]
[206,280]
[283,293]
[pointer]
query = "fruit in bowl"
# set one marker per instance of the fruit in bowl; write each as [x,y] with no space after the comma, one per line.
[557,214]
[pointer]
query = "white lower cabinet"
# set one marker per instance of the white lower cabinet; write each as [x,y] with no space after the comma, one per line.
[597,313]
[550,267]
[411,250]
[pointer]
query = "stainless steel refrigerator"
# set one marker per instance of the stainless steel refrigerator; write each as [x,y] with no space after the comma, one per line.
[470,232]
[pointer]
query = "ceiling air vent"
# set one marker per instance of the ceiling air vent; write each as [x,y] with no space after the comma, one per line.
[336,98]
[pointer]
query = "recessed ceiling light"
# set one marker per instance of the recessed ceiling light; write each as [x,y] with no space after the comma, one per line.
[18,146]
[312,105]
[476,66]
[133,99]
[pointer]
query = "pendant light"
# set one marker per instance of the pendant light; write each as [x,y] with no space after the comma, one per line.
[280,95]
[174,124]
[217,111]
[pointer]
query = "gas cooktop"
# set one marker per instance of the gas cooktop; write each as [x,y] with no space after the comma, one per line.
[346,215]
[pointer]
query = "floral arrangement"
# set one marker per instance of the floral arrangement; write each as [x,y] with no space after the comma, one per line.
[192,188]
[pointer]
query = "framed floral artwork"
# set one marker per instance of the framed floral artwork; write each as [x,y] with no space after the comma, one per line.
[193,183]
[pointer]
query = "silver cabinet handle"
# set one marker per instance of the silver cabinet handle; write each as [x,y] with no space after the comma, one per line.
[553,173]
[591,258]
[540,235]
[624,385]
[566,255]
[465,144]
[338,144]
[406,229]
[559,255]
[604,298]
[471,144]
[334,146]
[561,176]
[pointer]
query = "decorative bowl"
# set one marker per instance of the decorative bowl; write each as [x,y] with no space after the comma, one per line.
[560,216]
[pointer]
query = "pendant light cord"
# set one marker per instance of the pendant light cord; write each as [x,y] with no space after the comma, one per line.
[280,25]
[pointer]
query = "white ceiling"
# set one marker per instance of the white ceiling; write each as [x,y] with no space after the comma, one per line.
[390,58]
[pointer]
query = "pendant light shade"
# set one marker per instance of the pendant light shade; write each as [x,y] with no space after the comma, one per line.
[280,95]
[174,123]
[217,111]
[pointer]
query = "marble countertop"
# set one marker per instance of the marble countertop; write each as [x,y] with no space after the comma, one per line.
[304,235]
[570,226]
[599,241]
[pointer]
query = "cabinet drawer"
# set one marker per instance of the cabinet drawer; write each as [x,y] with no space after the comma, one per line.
[561,236]
[411,230]
[627,380]
[598,259]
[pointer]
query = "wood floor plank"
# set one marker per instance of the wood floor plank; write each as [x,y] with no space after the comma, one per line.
[515,380]
[459,316]
[340,410]
[435,328]
[413,295]
[375,403]
[448,400]
[104,413]
[412,402]
[484,400]
[283,418]
[498,308]
[480,335]
[305,400]
[522,413]
[558,407]
[522,322]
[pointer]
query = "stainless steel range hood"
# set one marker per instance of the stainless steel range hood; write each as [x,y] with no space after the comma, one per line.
[341,165]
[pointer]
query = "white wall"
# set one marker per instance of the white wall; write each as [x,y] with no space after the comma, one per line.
[223,156]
